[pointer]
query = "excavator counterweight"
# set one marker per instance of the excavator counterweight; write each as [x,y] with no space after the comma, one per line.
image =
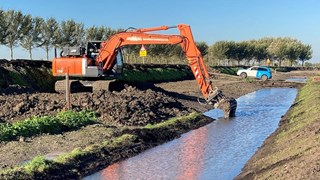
[104,59]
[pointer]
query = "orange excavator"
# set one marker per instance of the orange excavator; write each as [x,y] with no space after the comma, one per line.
[104,59]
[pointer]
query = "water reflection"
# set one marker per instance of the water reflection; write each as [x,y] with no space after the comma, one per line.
[216,151]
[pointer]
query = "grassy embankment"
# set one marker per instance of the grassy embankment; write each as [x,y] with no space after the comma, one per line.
[38,78]
[293,151]
[79,162]
[155,75]
[37,74]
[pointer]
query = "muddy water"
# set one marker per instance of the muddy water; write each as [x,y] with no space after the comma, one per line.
[216,151]
[298,80]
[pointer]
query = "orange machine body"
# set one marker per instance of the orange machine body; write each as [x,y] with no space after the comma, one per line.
[75,66]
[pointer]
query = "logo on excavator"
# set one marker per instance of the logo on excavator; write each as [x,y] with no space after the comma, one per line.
[60,70]
[135,38]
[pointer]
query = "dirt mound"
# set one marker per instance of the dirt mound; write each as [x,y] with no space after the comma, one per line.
[130,106]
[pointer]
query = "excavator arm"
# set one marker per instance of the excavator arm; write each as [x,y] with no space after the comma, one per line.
[185,39]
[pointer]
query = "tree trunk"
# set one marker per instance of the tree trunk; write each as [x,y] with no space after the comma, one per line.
[280,63]
[47,52]
[30,53]
[302,62]
[11,52]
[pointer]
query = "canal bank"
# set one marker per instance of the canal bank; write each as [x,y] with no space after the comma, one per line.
[216,151]
[293,150]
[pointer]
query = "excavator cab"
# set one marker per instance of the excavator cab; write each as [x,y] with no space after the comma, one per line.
[92,51]
[82,63]
[92,48]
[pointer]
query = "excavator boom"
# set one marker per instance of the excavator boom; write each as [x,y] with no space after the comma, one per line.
[185,39]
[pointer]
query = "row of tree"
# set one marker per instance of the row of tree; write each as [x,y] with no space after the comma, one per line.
[17,29]
[277,49]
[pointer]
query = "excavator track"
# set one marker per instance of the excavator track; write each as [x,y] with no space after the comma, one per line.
[60,86]
[105,85]
[85,86]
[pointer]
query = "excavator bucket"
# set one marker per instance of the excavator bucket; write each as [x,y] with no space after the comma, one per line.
[229,106]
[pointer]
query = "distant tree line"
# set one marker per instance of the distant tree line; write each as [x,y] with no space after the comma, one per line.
[255,51]
[17,29]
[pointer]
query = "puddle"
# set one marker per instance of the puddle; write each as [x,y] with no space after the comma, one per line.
[216,151]
[297,80]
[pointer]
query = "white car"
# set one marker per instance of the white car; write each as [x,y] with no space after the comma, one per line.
[259,72]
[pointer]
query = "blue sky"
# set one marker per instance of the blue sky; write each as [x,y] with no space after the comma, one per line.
[210,20]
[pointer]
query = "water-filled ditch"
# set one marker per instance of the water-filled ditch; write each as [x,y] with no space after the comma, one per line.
[216,151]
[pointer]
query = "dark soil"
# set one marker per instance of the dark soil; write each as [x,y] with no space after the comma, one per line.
[130,106]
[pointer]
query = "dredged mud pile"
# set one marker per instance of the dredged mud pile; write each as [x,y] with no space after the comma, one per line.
[130,106]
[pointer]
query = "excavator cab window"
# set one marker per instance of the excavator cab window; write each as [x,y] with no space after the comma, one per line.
[92,48]
[118,67]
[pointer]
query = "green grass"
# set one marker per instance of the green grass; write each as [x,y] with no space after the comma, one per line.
[64,121]
[38,164]
[154,75]
[227,70]
[230,71]
[111,144]
[248,80]
[38,75]
[17,78]
[282,69]
[172,121]
[295,137]
[65,158]
[306,109]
